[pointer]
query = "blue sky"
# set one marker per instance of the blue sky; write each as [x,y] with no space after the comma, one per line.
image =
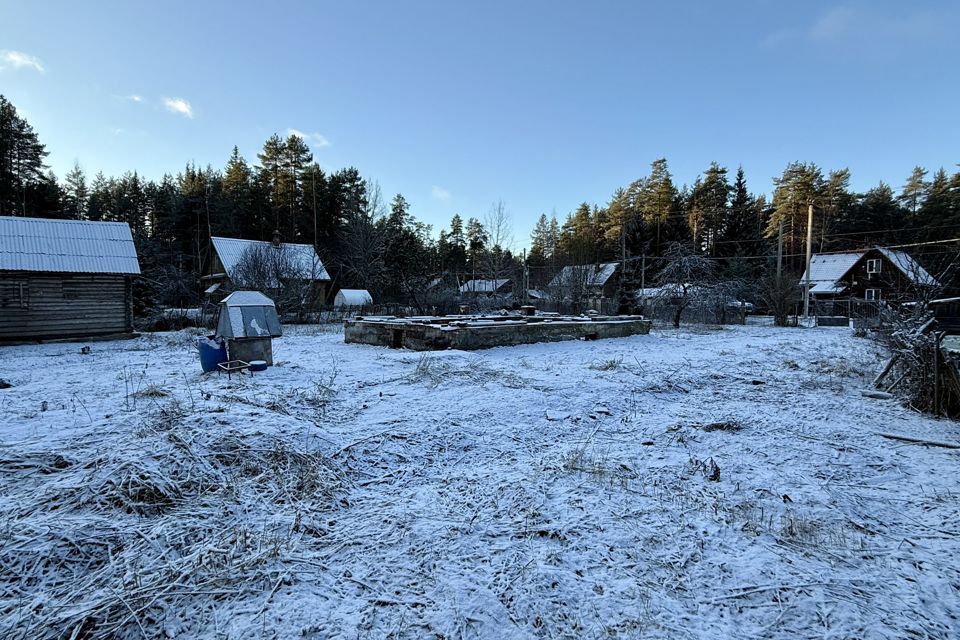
[456,104]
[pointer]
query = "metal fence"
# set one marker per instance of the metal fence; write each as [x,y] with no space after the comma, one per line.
[851,308]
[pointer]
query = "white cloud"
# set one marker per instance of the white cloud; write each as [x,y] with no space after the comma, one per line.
[19,60]
[866,26]
[133,97]
[178,106]
[313,139]
[440,193]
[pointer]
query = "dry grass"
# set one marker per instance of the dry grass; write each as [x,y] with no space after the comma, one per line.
[124,536]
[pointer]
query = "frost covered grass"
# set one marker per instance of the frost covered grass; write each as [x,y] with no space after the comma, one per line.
[695,484]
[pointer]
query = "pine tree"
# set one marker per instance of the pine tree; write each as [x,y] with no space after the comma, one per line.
[937,211]
[539,242]
[658,202]
[915,190]
[272,178]
[452,248]
[476,246]
[741,240]
[237,185]
[800,185]
[837,208]
[75,193]
[25,188]
[100,202]
[708,210]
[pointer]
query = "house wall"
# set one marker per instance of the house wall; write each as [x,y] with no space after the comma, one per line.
[63,305]
[893,285]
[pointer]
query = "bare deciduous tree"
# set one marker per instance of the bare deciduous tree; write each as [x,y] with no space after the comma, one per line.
[780,294]
[363,240]
[280,274]
[685,275]
[499,265]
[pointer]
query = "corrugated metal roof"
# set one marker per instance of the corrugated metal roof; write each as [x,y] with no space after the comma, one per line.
[302,256]
[591,275]
[66,246]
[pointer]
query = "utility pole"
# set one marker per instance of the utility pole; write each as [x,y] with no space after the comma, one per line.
[806,284]
[779,250]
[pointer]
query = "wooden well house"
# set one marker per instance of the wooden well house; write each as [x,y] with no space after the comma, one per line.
[65,278]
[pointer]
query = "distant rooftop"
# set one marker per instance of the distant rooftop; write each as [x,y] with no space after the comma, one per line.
[483,286]
[588,275]
[303,257]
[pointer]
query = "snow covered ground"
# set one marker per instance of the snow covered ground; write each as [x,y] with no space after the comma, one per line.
[692,484]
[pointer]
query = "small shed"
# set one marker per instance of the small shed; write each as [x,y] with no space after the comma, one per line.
[65,278]
[248,322]
[352,298]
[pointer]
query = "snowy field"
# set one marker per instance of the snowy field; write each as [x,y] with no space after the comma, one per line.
[694,484]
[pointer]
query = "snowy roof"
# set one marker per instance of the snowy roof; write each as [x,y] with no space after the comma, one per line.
[827,269]
[247,299]
[483,286]
[910,267]
[352,298]
[588,274]
[66,246]
[303,256]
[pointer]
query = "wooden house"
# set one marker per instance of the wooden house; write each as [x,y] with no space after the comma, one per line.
[267,266]
[588,283]
[478,288]
[873,275]
[65,278]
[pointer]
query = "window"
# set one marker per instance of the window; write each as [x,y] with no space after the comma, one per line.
[15,294]
[873,266]
[872,294]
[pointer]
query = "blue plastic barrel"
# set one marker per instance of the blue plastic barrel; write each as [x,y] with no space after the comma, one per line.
[212,352]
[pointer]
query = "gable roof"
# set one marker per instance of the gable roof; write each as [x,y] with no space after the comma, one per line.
[827,269]
[247,299]
[589,275]
[302,256]
[909,267]
[66,246]
[483,286]
[352,298]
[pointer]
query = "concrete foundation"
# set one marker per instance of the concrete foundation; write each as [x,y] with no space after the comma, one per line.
[472,332]
[249,349]
[833,321]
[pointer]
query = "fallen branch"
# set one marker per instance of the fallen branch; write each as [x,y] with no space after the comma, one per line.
[926,443]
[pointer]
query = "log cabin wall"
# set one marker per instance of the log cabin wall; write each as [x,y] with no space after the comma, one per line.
[41,305]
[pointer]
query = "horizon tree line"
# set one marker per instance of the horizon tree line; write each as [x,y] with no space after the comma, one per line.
[367,243]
